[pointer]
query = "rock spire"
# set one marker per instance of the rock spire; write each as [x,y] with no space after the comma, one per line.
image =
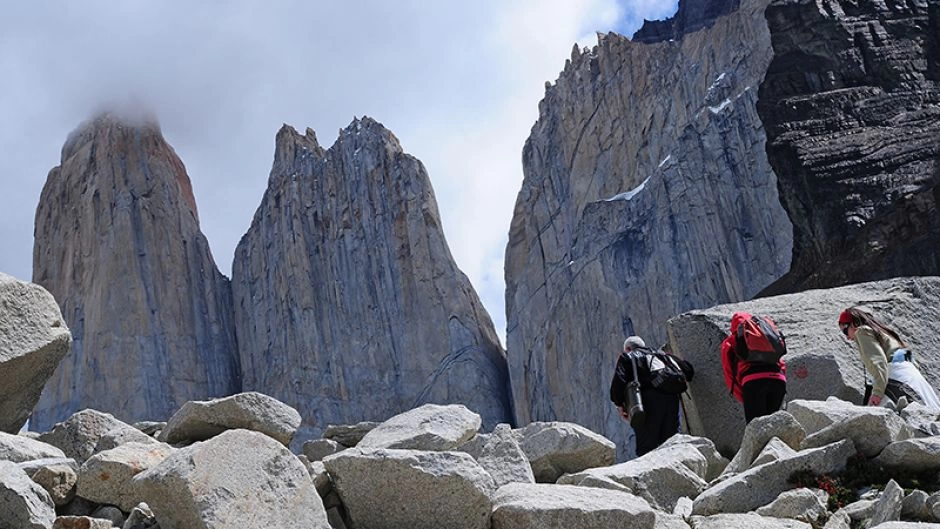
[118,245]
[348,303]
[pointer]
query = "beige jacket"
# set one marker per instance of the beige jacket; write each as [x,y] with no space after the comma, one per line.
[876,355]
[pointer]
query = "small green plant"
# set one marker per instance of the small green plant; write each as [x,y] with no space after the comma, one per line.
[862,473]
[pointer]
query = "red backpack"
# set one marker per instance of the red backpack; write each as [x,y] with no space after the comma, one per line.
[753,340]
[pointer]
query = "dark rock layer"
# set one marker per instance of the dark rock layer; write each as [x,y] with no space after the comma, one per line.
[118,245]
[851,104]
[348,304]
[691,15]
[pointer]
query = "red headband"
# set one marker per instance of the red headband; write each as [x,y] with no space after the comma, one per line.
[845,317]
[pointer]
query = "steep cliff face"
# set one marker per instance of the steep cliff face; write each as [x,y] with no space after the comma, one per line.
[348,303]
[851,104]
[647,192]
[118,245]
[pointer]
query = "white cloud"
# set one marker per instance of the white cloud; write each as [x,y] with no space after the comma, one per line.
[458,83]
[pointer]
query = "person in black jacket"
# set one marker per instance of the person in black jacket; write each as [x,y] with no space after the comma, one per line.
[660,400]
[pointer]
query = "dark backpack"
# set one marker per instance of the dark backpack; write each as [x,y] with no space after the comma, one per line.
[759,341]
[668,373]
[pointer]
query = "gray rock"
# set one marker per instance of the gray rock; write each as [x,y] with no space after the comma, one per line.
[531,506]
[121,436]
[759,432]
[108,477]
[474,446]
[141,517]
[33,466]
[760,485]
[859,511]
[838,520]
[151,428]
[556,448]
[81,522]
[888,506]
[673,126]
[78,436]
[661,476]
[348,435]
[317,449]
[798,504]
[922,419]
[441,489]
[670,521]
[820,362]
[905,525]
[59,481]
[914,505]
[871,431]
[841,82]
[749,520]
[18,449]
[912,454]
[117,242]
[716,462]
[774,450]
[427,427]
[238,478]
[110,513]
[933,505]
[26,505]
[33,339]
[201,420]
[503,458]
[683,507]
[388,322]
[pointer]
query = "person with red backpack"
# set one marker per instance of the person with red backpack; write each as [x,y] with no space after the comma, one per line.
[751,357]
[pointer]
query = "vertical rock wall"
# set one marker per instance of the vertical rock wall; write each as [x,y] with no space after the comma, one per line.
[647,193]
[851,104]
[348,303]
[118,245]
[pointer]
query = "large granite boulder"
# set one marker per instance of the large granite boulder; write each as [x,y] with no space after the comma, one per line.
[59,480]
[556,448]
[503,458]
[749,520]
[361,313]
[870,431]
[33,339]
[661,476]
[798,504]
[411,489]
[851,105]
[646,193]
[820,361]
[18,448]
[108,477]
[79,435]
[200,420]
[914,455]
[759,432]
[427,427]
[118,245]
[760,485]
[25,505]
[539,506]
[238,478]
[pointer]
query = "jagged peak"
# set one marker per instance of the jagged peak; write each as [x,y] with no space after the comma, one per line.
[690,16]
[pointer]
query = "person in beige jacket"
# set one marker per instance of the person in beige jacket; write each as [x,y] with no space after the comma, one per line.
[887,360]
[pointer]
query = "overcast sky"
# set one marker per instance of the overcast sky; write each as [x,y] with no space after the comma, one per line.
[458,82]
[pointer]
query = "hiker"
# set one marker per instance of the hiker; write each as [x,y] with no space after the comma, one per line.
[755,372]
[661,378]
[887,360]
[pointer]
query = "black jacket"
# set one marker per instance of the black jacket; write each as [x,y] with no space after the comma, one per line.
[623,374]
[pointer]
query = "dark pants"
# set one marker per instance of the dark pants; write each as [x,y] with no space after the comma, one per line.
[894,390]
[662,420]
[762,397]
